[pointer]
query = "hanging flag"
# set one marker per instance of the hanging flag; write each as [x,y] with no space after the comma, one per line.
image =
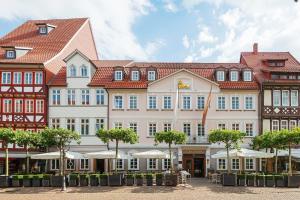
[206,107]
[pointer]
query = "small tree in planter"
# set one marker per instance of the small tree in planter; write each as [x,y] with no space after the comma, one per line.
[260,180]
[103,179]
[231,139]
[73,180]
[149,179]
[46,180]
[27,180]
[36,180]
[17,180]
[279,180]
[139,179]
[7,136]
[94,179]
[250,179]
[269,180]
[129,179]
[84,180]
[241,179]
[117,135]
[159,179]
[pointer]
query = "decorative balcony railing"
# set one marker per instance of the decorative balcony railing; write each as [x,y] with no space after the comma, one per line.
[281,110]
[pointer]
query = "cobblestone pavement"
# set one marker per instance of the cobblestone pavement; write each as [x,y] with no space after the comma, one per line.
[199,189]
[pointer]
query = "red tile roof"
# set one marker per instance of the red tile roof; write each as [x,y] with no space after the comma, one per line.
[44,47]
[105,71]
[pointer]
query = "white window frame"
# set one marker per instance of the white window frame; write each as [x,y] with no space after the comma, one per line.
[165,161]
[284,98]
[276,96]
[152,102]
[224,166]
[167,102]
[272,125]
[152,129]
[84,126]
[100,97]
[148,164]
[118,75]
[84,71]
[246,101]
[28,78]
[71,97]
[151,75]
[222,103]
[133,102]
[18,78]
[55,122]
[234,164]
[117,99]
[38,78]
[294,102]
[10,54]
[39,106]
[235,104]
[19,105]
[6,78]
[135,75]
[292,124]
[167,126]
[71,124]
[72,71]
[235,126]
[247,75]
[85,97]
[72,167]
[186,102]
[100,124]
[118,125]
[86,164]
[220,75]
[234,75]
[130,166]
[221,124]
[200,102]
[43,30]
[285,124]
[7,105]
[200,130]
[247,167]
[56,164]
[187,129]
[117,164]
[56,100]
[247,134]
[29,105]
[133,126]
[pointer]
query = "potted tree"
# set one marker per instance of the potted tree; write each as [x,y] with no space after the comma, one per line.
[170,137]
[250,179]
[242,179]
[94,179]
[103,179]
[73,180]
[231,139]
[139,179]
[269,180]
[279,180]
[149,179]
[117,135]
[7,136]
[36,180]
[129,179]
[27,180]
[84,179]
[17,180]
[46,180]
[260,180]
[159,179]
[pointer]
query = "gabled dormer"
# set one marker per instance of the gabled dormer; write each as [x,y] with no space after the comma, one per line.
[44,28]
[247,74]
[275,62]
[151,73]
[135,74]
[220,74]
[234,74]
[13,52]
[119,73]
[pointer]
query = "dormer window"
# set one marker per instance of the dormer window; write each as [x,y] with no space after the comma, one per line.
[83,71]
[43,30]
[276,63]
[10,54]
[247,75]
[151,76]
[135,75]
[220,75]
[118,75]
[234,75]
[72,71]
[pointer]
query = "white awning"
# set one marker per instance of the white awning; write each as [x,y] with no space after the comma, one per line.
[109,154]
[246,153]
[295,153]
[151,154]
[56,155]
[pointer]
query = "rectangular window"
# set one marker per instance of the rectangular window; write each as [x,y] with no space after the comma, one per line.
[235,103]
[247,76]
[221,103]
[221,126]
[222,165]
[118,102]
[135,75]
[55,122]
[18,105]
[29,106]
[132,102]
[38,78]
[200,130]
[284,124]
[99,124]
[167,102]
[220,75]
[249,164]
[70,164]
[235,126]
[200,102]
[7,105]
[55,164]
[6,77]
[84,164]
[17,78]
[56,97]
[39,106]
[100,97]
[10,54]
[186,103]
[167,127]
[118,75]
[249,103]
[294,98]
[71,124]
[234,76]
[133,164]
[84,126]
[120,164]
[249,129]
[166,164]
[152,129]
[133,126]
[152,103]
[71,97]
[151,164]
[275,125]
[235,164]
[293,124]
[118,125]
[151,75]
[276,98]
[285,98]
[187,129]
[28,78]
[85,97]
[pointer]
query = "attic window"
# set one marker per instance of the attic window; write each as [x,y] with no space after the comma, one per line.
[276,63]
[234,75]
[247,75]
[10,54]
[135,75]
[43,30]
[119,75]
[151,76]
[220,75]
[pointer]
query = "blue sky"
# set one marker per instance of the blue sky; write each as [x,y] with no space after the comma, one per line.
[172,30]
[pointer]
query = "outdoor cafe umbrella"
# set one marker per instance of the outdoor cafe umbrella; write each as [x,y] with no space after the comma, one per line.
[245,153]
[56,155]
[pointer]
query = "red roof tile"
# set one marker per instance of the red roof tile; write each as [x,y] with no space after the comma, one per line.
[59,79]
[44,47]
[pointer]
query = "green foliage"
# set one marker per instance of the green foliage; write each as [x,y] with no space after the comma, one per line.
[231,138]
[170,137]
[46,176]
[260,177]
[129,176]
[241,176]
[159,175]
[27,177]
[268,140]
[26,138]
[7,135]
[139,176]
[149,176]
[37,176]
[73,176]
[17,177]
[269,177]
[84,176]
[103,176]
[125,135]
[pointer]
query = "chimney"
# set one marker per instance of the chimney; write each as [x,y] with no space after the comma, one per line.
[255,48]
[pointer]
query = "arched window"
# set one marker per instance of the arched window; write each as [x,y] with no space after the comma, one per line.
[72,71]
[83,71]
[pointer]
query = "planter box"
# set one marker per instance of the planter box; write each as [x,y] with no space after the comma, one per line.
[73,182]
[251,182]
[242,182]
[139,181]
[171,180]
[260,182]
[159,181]
[115,180]
[27,182]
[130,181]
[281,182]
[103,181]
[270,183]
[16,183]
[84,181]
[4,181]
[46,183]
[94,180]
[149,181]
[56,181]
[229,179]
[36,182]
[294,181]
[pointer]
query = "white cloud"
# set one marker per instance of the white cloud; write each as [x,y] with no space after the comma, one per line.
[205,36]
[170,6]
[154,46]
[112,21]
[185,41]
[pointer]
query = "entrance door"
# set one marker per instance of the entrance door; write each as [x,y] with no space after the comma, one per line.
[198,167]
[100,165]
[188,163]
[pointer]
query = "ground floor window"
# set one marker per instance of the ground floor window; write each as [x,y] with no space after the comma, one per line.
[293,124]
[249,164]
[133,164]
[55,164]
[249,129]
[166,164]
[222,164]
[221,126]
[84,164]
[275,125]
[55,122]
[120,164]
[70,164]
[235,164]
[151,164]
